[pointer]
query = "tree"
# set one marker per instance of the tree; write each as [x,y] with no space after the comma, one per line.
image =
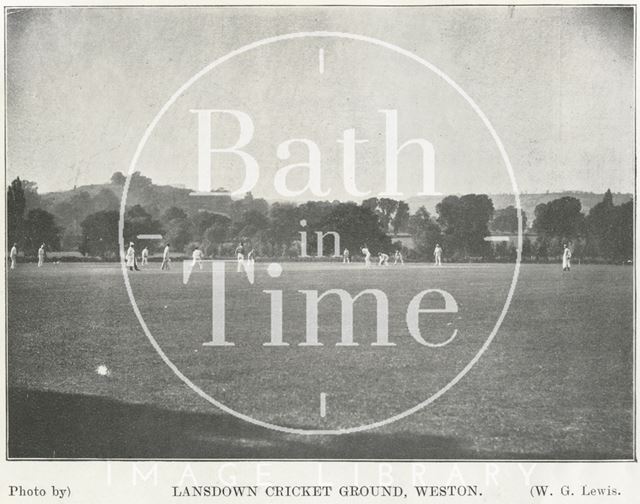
[541,248]
[505,220]
[527,248]
[216,235]
[40,227]
[137,212]
[139,182]
[249,224]
[118,178]
[400,219]
[174,213]
[560,218]
[81,205]
[386,210]
[71,238]
[285,222]
[599,227]
[425,232]
[16,205]
[31,196]
[371,203]
[209,228]
[100,234]
[203,220]
[623,237]
[501,250]
[138,221]
[465,224]
[357,225]
[70,212]
[610,230]
[315,212]
[246,204]
[179,233]
[105,200]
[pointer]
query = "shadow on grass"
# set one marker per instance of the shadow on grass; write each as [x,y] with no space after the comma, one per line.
[55,425]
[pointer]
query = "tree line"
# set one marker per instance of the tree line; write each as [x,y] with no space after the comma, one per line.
[89,224]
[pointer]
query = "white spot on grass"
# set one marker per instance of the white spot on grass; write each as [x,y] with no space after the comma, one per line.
[103,370]
[274,270]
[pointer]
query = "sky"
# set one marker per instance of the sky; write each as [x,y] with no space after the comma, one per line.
[556,83]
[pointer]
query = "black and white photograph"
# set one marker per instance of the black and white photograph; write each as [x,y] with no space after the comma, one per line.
[297,233]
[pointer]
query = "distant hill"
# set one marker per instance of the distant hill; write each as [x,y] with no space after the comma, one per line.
[527,201]
[156,199]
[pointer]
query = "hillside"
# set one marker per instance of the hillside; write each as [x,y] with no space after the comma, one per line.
[158,198]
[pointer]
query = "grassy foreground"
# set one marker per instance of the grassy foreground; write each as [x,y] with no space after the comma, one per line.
[556,382]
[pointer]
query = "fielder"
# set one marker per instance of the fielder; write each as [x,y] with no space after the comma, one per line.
[197,258]
[13,254]
[130,257]
[145,256]
[346,256]
[166,260]
[398,257]
[240,256]
[41,256]
[437,255]
[383,259]
[367,256]
[566,259]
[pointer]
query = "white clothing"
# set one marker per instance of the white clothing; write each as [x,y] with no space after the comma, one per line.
[437,254]
[197,258]
[566,259]
[239,257]
[12,255]
[367,257]
[130,257]
[165,259]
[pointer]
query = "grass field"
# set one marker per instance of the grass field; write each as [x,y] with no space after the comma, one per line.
[556,382]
